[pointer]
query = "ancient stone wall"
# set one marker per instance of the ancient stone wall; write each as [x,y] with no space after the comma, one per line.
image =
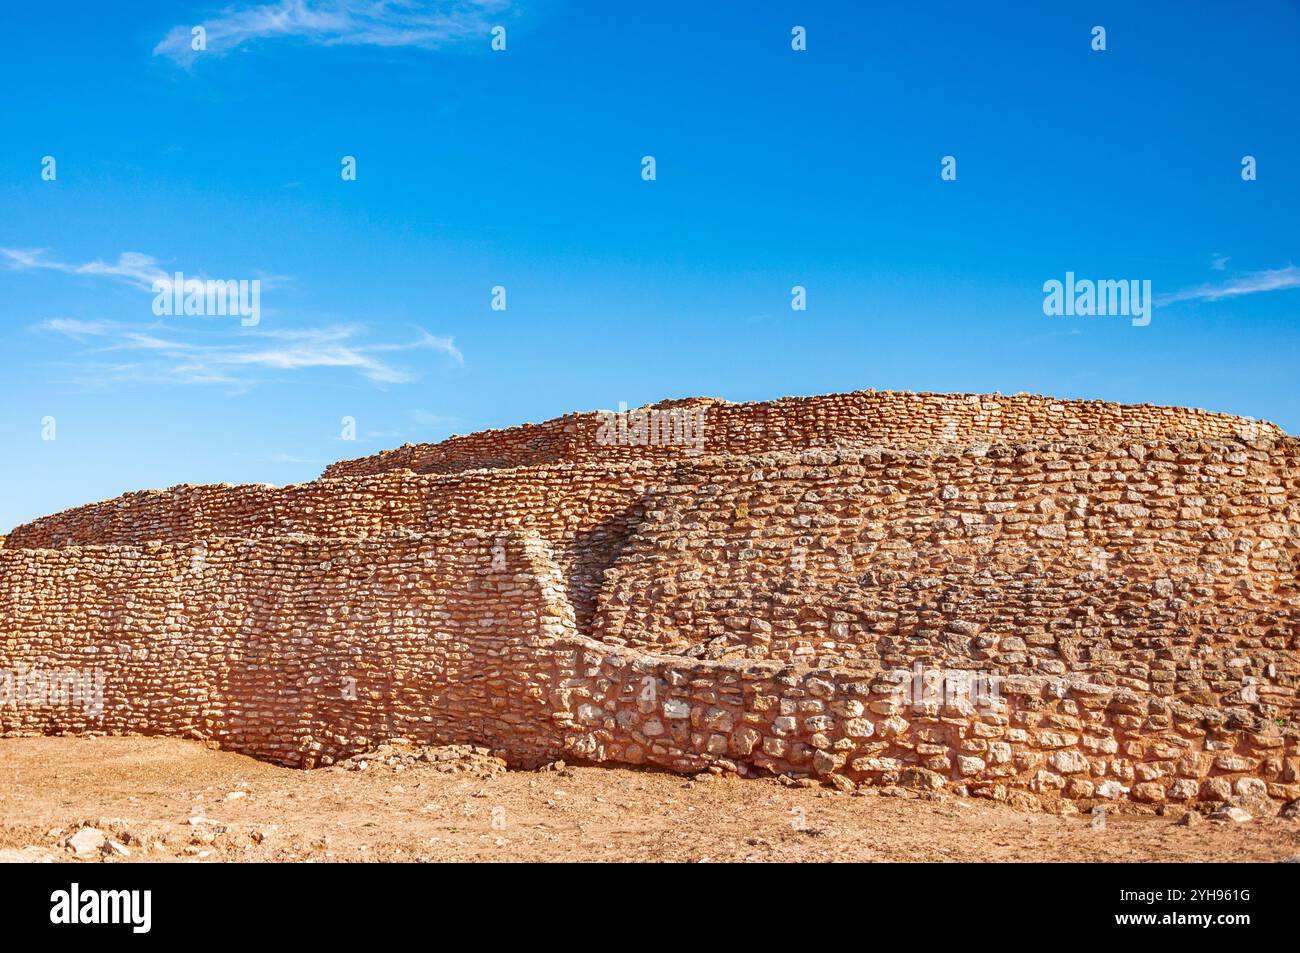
[306,650]
[1169,566]
[585,512]
[289,649]
[703,426]
[1134,602]
[1042,741]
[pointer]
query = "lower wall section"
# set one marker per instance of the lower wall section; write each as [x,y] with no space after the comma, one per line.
[304,650]
[294,650]
[1031,740]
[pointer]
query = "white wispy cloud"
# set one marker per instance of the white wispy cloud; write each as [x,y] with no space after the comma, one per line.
[132,267]
[1255,282]
[195,354]
[420,23]
[77,329]
[155,353]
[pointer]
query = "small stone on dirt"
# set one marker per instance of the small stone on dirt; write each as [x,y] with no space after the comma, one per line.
[87,841]
[1235,814]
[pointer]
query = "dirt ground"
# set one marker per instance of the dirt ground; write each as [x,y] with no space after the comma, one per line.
[155,799]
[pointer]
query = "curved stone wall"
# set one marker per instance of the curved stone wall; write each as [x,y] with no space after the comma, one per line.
[1133,602]
[306,650]
[1040,742]
[1043,558]
[705,426]
[585,512]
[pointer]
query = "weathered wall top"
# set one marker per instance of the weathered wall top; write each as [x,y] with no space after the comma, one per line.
[699,426]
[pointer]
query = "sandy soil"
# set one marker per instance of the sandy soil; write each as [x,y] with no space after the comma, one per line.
[167,800]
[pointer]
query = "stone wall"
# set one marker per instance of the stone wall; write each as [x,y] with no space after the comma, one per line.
[290,649]
[585,512]
[1135,599]
[306,650]
[1042,742]
[1170,566]
[885,418]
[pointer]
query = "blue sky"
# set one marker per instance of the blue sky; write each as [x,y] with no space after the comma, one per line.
[522,168]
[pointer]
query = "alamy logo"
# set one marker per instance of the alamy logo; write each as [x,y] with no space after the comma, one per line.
[925,687]
[1128,298]
[73,906]
[652,426]
[195,297]
[25,687]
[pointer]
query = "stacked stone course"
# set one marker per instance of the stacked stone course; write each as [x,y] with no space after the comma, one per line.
[1127,573]
[293,648]
[863,418]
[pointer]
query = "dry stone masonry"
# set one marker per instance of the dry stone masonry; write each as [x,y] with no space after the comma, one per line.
[1043,601]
